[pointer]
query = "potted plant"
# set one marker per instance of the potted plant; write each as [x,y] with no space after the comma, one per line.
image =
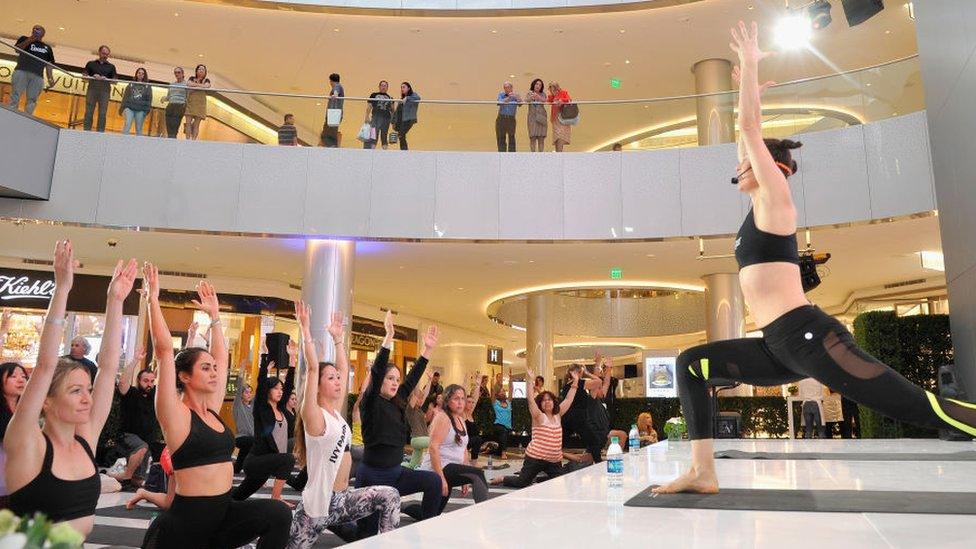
[675,429]
[36,532]
[792,389]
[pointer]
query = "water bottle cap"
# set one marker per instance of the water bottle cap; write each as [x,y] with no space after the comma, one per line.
[614,440]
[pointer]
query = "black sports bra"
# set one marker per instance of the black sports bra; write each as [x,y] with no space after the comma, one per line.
[204,445]
[753,246]
[59,499]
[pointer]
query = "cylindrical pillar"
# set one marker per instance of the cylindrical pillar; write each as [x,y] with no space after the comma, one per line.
[715,122]
[327,287]
[725,315]
[538,338]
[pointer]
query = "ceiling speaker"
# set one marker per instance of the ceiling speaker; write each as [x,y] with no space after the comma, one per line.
[859,11]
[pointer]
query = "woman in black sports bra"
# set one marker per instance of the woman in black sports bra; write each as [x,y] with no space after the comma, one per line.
[799,340]
[53,470]
[189,395]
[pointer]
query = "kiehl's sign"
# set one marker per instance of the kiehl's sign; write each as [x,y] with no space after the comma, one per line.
[26,289]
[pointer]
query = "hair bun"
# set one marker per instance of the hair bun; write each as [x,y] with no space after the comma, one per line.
[789,144]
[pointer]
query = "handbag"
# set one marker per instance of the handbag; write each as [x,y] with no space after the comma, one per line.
[366,133]
[394,137]
[333,117]
[569,114]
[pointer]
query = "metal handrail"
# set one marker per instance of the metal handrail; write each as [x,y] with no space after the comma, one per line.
[472,101]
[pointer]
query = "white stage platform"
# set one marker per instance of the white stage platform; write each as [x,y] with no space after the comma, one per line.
[579,510]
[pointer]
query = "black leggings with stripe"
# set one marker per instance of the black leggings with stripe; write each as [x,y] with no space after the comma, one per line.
[806,342]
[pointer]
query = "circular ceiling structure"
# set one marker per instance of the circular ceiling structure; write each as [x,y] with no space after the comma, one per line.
[585,352]
[611,311]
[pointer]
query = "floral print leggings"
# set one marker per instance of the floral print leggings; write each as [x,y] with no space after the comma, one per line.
[347,506]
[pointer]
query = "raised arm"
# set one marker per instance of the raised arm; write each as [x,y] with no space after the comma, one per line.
[745,43]
[311,414]
[191,333]
[414,375]
[417,398]
[571,394]
[439,429]
[209,304]
[119,288]
[24,426]
[337,331]
[126,380]
[168,405]
[534,410]
[378,369]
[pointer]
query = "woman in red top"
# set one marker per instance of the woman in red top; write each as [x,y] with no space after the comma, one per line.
[545,450]
[561,133]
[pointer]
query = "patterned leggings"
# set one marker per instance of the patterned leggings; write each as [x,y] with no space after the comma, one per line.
[347,506]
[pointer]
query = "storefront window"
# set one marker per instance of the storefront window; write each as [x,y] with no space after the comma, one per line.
[23,338]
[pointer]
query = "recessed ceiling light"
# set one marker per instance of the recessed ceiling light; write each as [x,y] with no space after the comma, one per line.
[650,255]
[493,31]
[460,289]
[626,61]
[60,28]
[607,64]
[199,55]
[887,32]
[623,31]
[751,7]
[647,106]
[531,261]
[335,30]
[868,84]
[557,31]
[319,105]
[177,14]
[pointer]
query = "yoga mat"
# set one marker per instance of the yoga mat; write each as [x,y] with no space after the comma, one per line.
[821,501]
[848,456]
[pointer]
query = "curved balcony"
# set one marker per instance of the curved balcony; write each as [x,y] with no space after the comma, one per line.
[865,156]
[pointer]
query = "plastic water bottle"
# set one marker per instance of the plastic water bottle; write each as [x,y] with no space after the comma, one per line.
[633,440]
[615,463]
[490,467]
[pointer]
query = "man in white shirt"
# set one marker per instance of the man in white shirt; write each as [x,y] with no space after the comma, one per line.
[811,391]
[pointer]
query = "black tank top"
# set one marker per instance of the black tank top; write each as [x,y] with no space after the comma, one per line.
[203,446]
[59,499]
[754,246]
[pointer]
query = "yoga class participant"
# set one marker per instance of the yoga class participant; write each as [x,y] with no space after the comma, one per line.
[189,393]
[544,454]
[799,340]
[322,445]
[385,429]
[52,470]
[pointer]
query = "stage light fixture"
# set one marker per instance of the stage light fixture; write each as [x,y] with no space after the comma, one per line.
[794,31]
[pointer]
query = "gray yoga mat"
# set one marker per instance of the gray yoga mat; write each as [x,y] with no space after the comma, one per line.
[848,456]
[820,501]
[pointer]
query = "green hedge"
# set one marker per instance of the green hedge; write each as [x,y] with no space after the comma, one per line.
[915,347]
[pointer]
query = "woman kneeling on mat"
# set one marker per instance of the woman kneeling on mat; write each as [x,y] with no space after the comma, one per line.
[799,340]
[322,444]
[52,470]
[203,514]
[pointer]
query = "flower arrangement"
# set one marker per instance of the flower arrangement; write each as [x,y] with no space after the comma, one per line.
[675,428]
[36,532]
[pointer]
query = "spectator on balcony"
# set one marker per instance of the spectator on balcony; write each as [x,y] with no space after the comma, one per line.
[617,147]
[288,133]
[175,100]
[196,101]
[330,130]
[561,133]
[379,111]
[508,103]
[538,119]
[99,72]
[136,101]
[406,113]
[28,76]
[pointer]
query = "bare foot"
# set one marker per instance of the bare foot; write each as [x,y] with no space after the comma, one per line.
[140,495]
[699,482]
[497,481]
[120,476]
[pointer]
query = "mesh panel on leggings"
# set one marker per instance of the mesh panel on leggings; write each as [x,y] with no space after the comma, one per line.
[852,359]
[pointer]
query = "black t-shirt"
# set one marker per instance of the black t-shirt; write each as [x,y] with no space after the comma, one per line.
[91,366]
[96,67]
[139,413]
[580,400]
[382,107]
[436,389]
[39,49]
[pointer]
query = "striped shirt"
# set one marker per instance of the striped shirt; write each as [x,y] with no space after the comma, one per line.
[287,134]
[547,440]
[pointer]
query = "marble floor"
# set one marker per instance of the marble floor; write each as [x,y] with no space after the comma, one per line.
[579,510]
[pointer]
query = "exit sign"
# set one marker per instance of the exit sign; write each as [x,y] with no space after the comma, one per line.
[614,83]
[616,274]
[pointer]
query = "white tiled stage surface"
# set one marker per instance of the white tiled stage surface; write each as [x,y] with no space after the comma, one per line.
[578,510]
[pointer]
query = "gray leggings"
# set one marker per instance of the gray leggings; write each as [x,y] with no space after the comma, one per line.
[347,506]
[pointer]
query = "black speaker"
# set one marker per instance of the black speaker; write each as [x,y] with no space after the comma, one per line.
[728,425]
[951,387]
[277,344]
[859,11]
[630,371]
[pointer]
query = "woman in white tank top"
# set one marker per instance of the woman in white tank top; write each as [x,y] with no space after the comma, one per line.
[324,448]
[447,455]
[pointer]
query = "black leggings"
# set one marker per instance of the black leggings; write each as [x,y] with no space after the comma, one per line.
[243,444]
[806,342]
[404,128]
[501,435]
[531,469]
[459,475]
[217,522]
[258,469]
[576,422]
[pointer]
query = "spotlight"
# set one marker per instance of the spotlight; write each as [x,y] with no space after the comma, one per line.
[794,31]
[819,13]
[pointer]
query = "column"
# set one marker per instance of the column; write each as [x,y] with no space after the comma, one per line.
[725,315]
[715,123]
[326,287]
[538,338]
[945,49]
